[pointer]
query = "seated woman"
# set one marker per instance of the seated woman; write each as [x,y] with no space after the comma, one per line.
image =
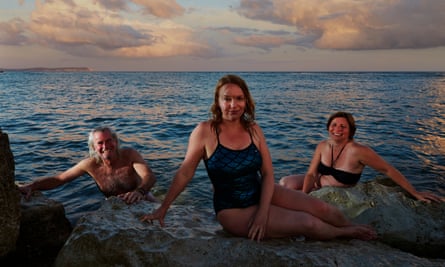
[339,161]
[246,200]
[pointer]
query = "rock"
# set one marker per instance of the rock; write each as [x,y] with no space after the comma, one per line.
[9,199]
[31,232]
[401,221]
[114,236]
[44,227]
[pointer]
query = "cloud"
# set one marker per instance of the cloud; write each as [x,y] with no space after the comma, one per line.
[13,32]
[141,29]
[114,5]
[264,42]
[86,28]
[162,9]
[356,25]
[263,39]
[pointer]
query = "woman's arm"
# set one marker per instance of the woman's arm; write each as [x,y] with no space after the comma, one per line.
[185,173]
[369,157]
[312,173]
[257,228]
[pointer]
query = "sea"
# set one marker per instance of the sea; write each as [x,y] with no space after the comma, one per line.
[48,115]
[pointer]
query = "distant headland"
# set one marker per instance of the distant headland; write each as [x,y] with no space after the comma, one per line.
[42,69]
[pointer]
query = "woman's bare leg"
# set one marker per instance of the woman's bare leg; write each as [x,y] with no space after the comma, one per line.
[299,201]
[237,221]
[283,222]
[293,181]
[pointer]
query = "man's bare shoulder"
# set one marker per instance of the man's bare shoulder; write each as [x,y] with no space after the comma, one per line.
[86,164]
[129,153]
[87,161]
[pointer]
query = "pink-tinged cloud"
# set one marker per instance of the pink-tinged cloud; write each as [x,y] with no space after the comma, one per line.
[77,25]
[162,9]
[356,25]
[86,28]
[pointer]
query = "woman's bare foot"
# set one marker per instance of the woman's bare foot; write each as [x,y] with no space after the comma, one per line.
[362,232]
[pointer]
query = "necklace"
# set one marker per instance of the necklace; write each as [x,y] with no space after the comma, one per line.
[333,161]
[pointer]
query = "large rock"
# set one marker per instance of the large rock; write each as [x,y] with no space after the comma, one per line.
[9,199]
[401,221]
[114,236]
[44,228]
[31,232]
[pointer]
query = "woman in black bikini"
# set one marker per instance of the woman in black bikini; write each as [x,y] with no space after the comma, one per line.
[339,161]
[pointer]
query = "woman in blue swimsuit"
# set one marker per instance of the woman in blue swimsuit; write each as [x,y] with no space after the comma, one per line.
[247,202]
[339,161]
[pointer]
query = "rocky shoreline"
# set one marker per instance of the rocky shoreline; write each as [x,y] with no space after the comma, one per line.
[411,233]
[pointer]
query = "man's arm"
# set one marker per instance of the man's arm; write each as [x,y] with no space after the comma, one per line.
[51,182]
[147,176]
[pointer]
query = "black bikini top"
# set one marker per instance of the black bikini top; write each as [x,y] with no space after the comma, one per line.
[343,177]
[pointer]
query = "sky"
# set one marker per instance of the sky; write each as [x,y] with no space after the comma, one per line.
[215,35]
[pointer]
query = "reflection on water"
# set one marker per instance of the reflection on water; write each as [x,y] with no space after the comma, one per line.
[431,144]
[48,117]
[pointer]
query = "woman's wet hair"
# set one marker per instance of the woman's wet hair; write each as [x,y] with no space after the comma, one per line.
[349,118]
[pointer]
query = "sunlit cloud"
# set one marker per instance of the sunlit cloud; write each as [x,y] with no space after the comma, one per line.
[162,9]
[223,33]
[356,25]
[86,28]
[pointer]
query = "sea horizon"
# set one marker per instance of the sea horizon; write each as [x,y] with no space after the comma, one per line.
[90,69]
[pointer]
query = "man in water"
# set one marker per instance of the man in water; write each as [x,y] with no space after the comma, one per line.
[117,171]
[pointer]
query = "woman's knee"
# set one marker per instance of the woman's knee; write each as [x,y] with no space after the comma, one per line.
[289,181]
[283,181]
[322,208]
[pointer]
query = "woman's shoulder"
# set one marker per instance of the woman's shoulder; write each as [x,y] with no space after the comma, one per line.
[256,130]
[202,129]
[358,145]
[255,126]
[207,123]
[360,148]
[323,144]
[203,126]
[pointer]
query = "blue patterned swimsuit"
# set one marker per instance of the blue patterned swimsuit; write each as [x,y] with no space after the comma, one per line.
[235,176]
